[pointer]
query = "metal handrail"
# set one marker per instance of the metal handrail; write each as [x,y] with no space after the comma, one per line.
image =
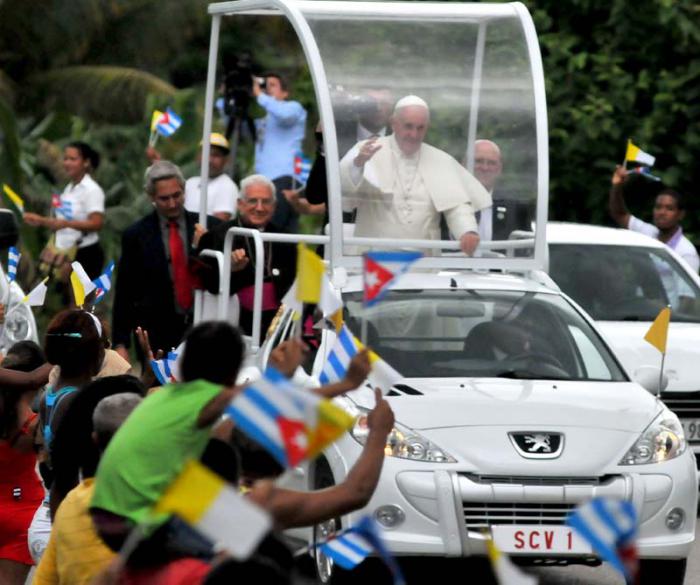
[221,309]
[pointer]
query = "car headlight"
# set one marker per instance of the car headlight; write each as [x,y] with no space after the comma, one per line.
[402,442]
[17,324]
[662,440]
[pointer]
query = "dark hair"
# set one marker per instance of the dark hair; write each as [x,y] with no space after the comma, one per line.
[23,356]
[284,82]
[680,200]
[87,153]
[255,461]
[73,342]
[213,352]
[73,452]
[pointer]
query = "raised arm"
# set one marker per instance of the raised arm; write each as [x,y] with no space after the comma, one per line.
[25,380]
[616,201]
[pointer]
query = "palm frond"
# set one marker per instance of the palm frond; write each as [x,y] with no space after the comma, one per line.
[101,92]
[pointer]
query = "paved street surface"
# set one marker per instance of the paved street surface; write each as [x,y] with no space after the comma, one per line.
[431,573]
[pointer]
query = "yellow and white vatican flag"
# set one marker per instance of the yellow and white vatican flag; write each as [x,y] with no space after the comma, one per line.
[213,507]
[82,285]
[506,572]
[37,296]
[636,154]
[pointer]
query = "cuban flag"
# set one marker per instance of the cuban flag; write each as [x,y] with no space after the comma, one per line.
[610,526]
[302,167]
[164,369]
[644,172]
[65,210]
[99,296]
[381,269]
[55,200]
[168,123]
[104,280]
[290,423]
[13,257]
[336,366]
[349,548]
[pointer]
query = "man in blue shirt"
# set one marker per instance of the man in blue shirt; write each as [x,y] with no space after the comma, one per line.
[279,136]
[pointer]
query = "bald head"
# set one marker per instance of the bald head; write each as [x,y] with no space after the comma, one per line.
[487,163]
[410,123]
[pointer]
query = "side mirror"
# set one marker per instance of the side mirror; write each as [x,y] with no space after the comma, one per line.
[9,230]
[648,378]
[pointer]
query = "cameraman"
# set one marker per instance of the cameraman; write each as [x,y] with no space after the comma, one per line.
[279,137]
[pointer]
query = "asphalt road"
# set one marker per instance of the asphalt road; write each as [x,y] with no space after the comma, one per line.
[430,572]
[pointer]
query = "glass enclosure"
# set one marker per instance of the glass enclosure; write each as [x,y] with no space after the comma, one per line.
[434,125]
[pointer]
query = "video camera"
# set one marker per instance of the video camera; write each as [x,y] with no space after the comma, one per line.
[238,84]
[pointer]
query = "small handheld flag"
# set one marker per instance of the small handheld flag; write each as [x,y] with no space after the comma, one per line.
[302,167]
[82,285]
[104,280]
[13,257]
[506,572]
[168,123]
[205,501]
[310,270]
[164,369]
[636,154]
[65,210]
[55,200]
[382,269]
[351,547]
[12,196]
[290,423]
[37,295]
[658,332]
[644,172]
[610,526]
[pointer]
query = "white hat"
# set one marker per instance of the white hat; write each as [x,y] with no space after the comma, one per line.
[410,100]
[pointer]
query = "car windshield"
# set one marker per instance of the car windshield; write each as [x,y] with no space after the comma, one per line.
[630,283]
[482,333]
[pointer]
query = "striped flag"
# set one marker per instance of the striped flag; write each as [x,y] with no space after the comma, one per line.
[104,280]
[506,572]
[610,526]
[65,210]
[164,369]
[82,285]
[168,123]
[636,154]
[36,296]
[382,269]
[205,501]
[290,423]
[302,167]
[12,196]
[644,172]
[346,346]
[13,257]
[352,546]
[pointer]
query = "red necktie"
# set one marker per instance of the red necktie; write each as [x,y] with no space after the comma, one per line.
[181,275]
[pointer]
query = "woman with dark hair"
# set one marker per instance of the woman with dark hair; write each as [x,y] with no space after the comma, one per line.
[79,215]
[73,342]
[20,488]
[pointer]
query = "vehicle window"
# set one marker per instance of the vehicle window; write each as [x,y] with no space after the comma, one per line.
[459,333]
[622,283]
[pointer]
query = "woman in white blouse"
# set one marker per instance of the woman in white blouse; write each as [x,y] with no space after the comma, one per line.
[79,214]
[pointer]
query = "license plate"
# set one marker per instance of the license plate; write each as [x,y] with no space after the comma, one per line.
[691,427]
[537,539]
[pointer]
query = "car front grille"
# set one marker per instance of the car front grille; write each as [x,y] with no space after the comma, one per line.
[480,515]
[684,404]
[536,480]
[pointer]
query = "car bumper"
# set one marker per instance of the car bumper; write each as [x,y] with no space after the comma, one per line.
[449,512]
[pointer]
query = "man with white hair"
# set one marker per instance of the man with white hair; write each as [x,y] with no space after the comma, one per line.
[400,185]
[256,206]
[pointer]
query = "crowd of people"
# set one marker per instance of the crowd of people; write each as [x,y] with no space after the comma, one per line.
[107,444]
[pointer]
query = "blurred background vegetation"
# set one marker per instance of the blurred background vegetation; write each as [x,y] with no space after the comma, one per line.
[95,69]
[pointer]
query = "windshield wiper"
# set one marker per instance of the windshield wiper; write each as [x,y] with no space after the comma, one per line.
[525,375]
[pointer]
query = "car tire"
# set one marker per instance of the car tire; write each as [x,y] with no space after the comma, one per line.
[668,572]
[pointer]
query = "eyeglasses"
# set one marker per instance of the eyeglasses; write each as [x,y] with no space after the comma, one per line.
[254,202]
[486,162]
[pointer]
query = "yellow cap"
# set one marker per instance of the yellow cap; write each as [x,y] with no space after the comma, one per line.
[219,140]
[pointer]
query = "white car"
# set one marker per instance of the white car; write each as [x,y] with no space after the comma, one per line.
[513,410]
[623,279]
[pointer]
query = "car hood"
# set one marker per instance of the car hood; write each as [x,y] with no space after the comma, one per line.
[448,403]
[682,351]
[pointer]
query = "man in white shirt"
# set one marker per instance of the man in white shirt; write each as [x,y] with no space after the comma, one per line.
[400,185]
[222,192]
[668,213]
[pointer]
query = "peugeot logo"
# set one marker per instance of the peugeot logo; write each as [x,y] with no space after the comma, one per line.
[537,444]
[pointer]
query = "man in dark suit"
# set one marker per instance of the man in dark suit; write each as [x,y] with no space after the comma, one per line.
[154,287]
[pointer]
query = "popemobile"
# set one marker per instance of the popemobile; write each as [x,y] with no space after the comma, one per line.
[511,409]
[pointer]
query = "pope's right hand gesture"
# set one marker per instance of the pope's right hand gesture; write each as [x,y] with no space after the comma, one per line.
[367,150]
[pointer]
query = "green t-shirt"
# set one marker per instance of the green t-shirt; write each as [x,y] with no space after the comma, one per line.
[150,449]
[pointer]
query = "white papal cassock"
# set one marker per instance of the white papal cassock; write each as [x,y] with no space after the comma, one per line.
[400,196]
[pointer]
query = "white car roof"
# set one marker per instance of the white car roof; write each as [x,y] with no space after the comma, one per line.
[578,233]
